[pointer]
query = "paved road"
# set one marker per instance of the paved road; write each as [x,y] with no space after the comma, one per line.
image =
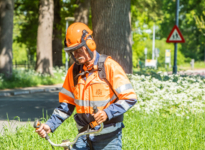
[28,106]
[200,72]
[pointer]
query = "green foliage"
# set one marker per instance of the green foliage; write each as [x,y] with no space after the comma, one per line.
[194,45]
[149,8]
[26,24]
[29,78]
[144,13]
[137,49]
[19,52]
[200,22]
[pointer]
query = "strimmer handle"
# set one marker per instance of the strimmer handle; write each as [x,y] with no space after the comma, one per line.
[94,123]
[95,109]
[37,125]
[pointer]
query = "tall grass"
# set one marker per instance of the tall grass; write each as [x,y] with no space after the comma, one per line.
[197,65]
[142,131]
[163,131]
[29,78]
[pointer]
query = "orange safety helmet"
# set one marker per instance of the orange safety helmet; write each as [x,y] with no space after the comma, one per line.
[79,34]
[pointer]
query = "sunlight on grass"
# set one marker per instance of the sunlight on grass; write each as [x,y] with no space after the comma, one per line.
[142,131]
[29,78]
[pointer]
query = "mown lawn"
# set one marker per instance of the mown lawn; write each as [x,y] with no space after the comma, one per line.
[142,131]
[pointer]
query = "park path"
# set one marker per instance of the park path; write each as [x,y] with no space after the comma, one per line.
[194,72]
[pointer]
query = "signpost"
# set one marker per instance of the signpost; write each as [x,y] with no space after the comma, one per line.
[168,57]
[175,37]
[145,52]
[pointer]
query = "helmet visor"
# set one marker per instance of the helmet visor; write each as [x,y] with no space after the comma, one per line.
[73,48]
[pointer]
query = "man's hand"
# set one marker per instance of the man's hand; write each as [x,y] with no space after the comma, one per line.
[44,128]
[100,116]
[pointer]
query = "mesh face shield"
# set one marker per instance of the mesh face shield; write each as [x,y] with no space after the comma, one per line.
[70,50]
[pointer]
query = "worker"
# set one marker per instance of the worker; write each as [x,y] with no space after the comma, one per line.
[93,79]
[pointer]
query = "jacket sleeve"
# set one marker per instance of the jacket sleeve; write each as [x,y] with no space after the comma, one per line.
[122,87]
[60,114]
[66,100]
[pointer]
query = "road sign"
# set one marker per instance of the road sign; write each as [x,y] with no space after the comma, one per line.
[175,36]
[167,56]
[151,63]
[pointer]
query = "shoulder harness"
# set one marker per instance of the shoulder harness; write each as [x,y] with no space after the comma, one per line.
[100,69]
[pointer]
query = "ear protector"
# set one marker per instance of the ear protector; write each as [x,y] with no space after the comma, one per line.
[91,44]
[89,41]
[85,41]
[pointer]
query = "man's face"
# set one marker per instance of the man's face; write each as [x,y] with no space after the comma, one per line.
[81,55]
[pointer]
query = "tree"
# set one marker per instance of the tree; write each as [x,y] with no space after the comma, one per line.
[6,33]
[111,21]
[194,40]
[201,26]
[82,11]
[81,14]
[144,13]
[200,23]
[44,37]
[26,15]
[57,35]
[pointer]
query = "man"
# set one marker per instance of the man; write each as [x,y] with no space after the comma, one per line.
[85,87]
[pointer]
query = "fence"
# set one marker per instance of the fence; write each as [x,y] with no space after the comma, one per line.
[25,65]
[28,65]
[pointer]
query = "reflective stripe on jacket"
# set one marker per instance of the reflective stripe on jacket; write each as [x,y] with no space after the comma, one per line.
[91,90]
[94,91]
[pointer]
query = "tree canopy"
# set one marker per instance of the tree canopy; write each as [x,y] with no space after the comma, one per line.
[144,14]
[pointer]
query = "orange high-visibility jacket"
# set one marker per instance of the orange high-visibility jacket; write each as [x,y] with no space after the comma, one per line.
[91,90]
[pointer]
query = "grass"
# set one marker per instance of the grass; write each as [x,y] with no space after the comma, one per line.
[142,131]
[164,131]
[182,67]
[197,65]
[29,78]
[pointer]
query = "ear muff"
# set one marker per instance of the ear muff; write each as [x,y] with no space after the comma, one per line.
[91,44]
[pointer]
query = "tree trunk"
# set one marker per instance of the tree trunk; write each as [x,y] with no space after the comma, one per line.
[82,12]
[44,62]
[6,32]
[111,22]
[57,35]
[81,15]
